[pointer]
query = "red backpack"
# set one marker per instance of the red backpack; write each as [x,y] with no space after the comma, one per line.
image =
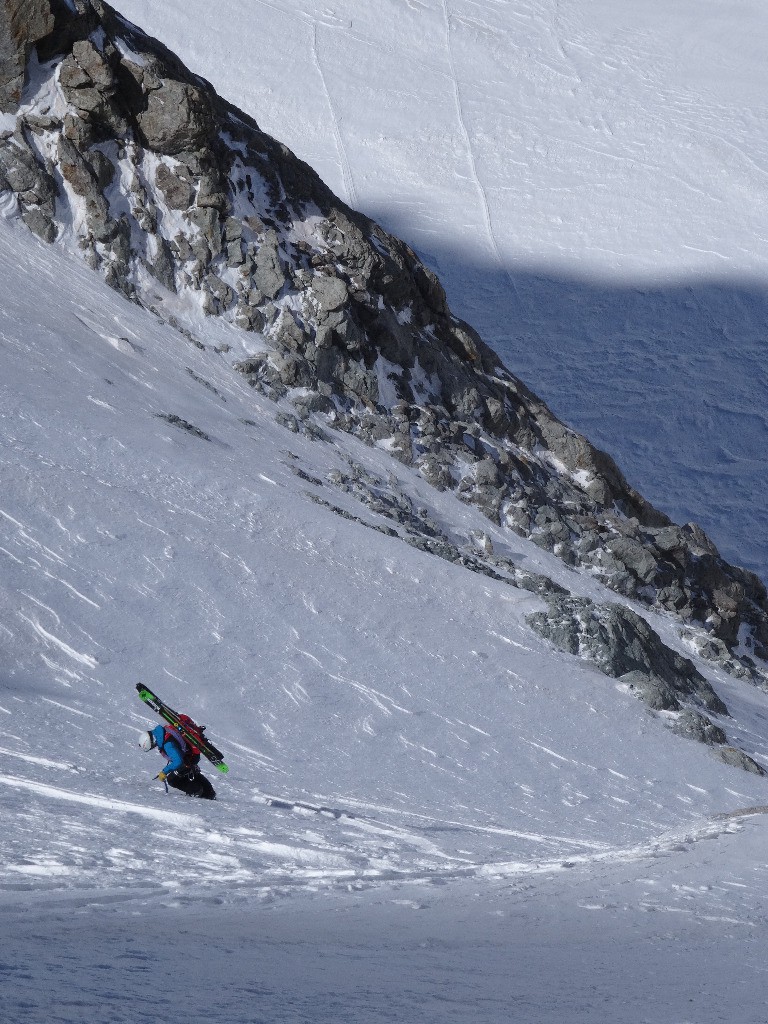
[189,751]
[193,730]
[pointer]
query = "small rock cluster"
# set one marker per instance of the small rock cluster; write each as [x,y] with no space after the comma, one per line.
[170,192]
[612,637]
[623,645]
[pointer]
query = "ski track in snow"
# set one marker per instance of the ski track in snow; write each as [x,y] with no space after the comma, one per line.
[346,170]
[482,194]
[334,848]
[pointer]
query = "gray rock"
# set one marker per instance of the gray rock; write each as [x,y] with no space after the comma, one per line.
[119,258]
[434,546]
[308,404]
[183,424]
[162,266]
[176,191]
[698,727]
[330,293]
[101,224]
[92,63]
[22,24]
[72,76]
[636,558]
[219,289]
[38,123]
[285,419]
[518,519]
[349,334]
[178,117]
[234,254]
[75,169]
[96,101]
[534,582]
[209,225]
[430,288]
[269,275]
[697,540]
[658,695]
[34,186]
[619,642]
[102,167]
[436,472]
[210,193]
[39,223]
[487,473]
[668,539]
[250,318]
[363,384]
[738,759]
[290,335]
[376,428]
[233,229]
[22,172]
[292,370]
[467,403]
[252,365]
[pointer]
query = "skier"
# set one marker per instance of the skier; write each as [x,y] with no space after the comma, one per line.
[181,771]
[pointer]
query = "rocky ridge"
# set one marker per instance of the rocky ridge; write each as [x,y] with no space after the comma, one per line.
[109,145]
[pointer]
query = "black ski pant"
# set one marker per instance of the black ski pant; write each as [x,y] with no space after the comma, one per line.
[193,783]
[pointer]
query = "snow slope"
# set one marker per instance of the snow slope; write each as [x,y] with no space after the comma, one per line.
[425,749]
[430,813]
[587,179]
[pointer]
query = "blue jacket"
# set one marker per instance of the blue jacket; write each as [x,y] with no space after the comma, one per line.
[168,748]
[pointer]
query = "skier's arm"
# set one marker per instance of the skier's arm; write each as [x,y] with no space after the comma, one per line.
[174,755]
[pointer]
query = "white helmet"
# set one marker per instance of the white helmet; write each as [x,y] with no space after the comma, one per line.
[147,741]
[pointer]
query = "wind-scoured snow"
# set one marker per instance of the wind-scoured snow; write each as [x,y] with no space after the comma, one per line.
[430,813]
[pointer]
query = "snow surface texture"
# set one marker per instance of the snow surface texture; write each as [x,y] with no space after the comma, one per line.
[430,814]
[421,791]
[588,180]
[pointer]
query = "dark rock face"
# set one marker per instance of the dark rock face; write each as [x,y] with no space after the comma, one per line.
[22,24]
[176,191]
[23,174]
[177,118]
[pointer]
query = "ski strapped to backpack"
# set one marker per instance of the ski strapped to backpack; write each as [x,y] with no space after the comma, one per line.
[192,733]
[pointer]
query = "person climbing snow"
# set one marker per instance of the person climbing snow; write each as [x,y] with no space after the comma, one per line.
[181,771]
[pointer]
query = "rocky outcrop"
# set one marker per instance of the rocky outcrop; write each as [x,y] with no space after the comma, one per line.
[623,645]
[172,191]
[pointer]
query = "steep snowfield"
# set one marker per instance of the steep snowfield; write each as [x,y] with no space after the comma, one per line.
[336,665]
[587,179]
[426,750]
[465,825]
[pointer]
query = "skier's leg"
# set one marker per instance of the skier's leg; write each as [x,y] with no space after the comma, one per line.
[181,782]
[205,790]
[193,783]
